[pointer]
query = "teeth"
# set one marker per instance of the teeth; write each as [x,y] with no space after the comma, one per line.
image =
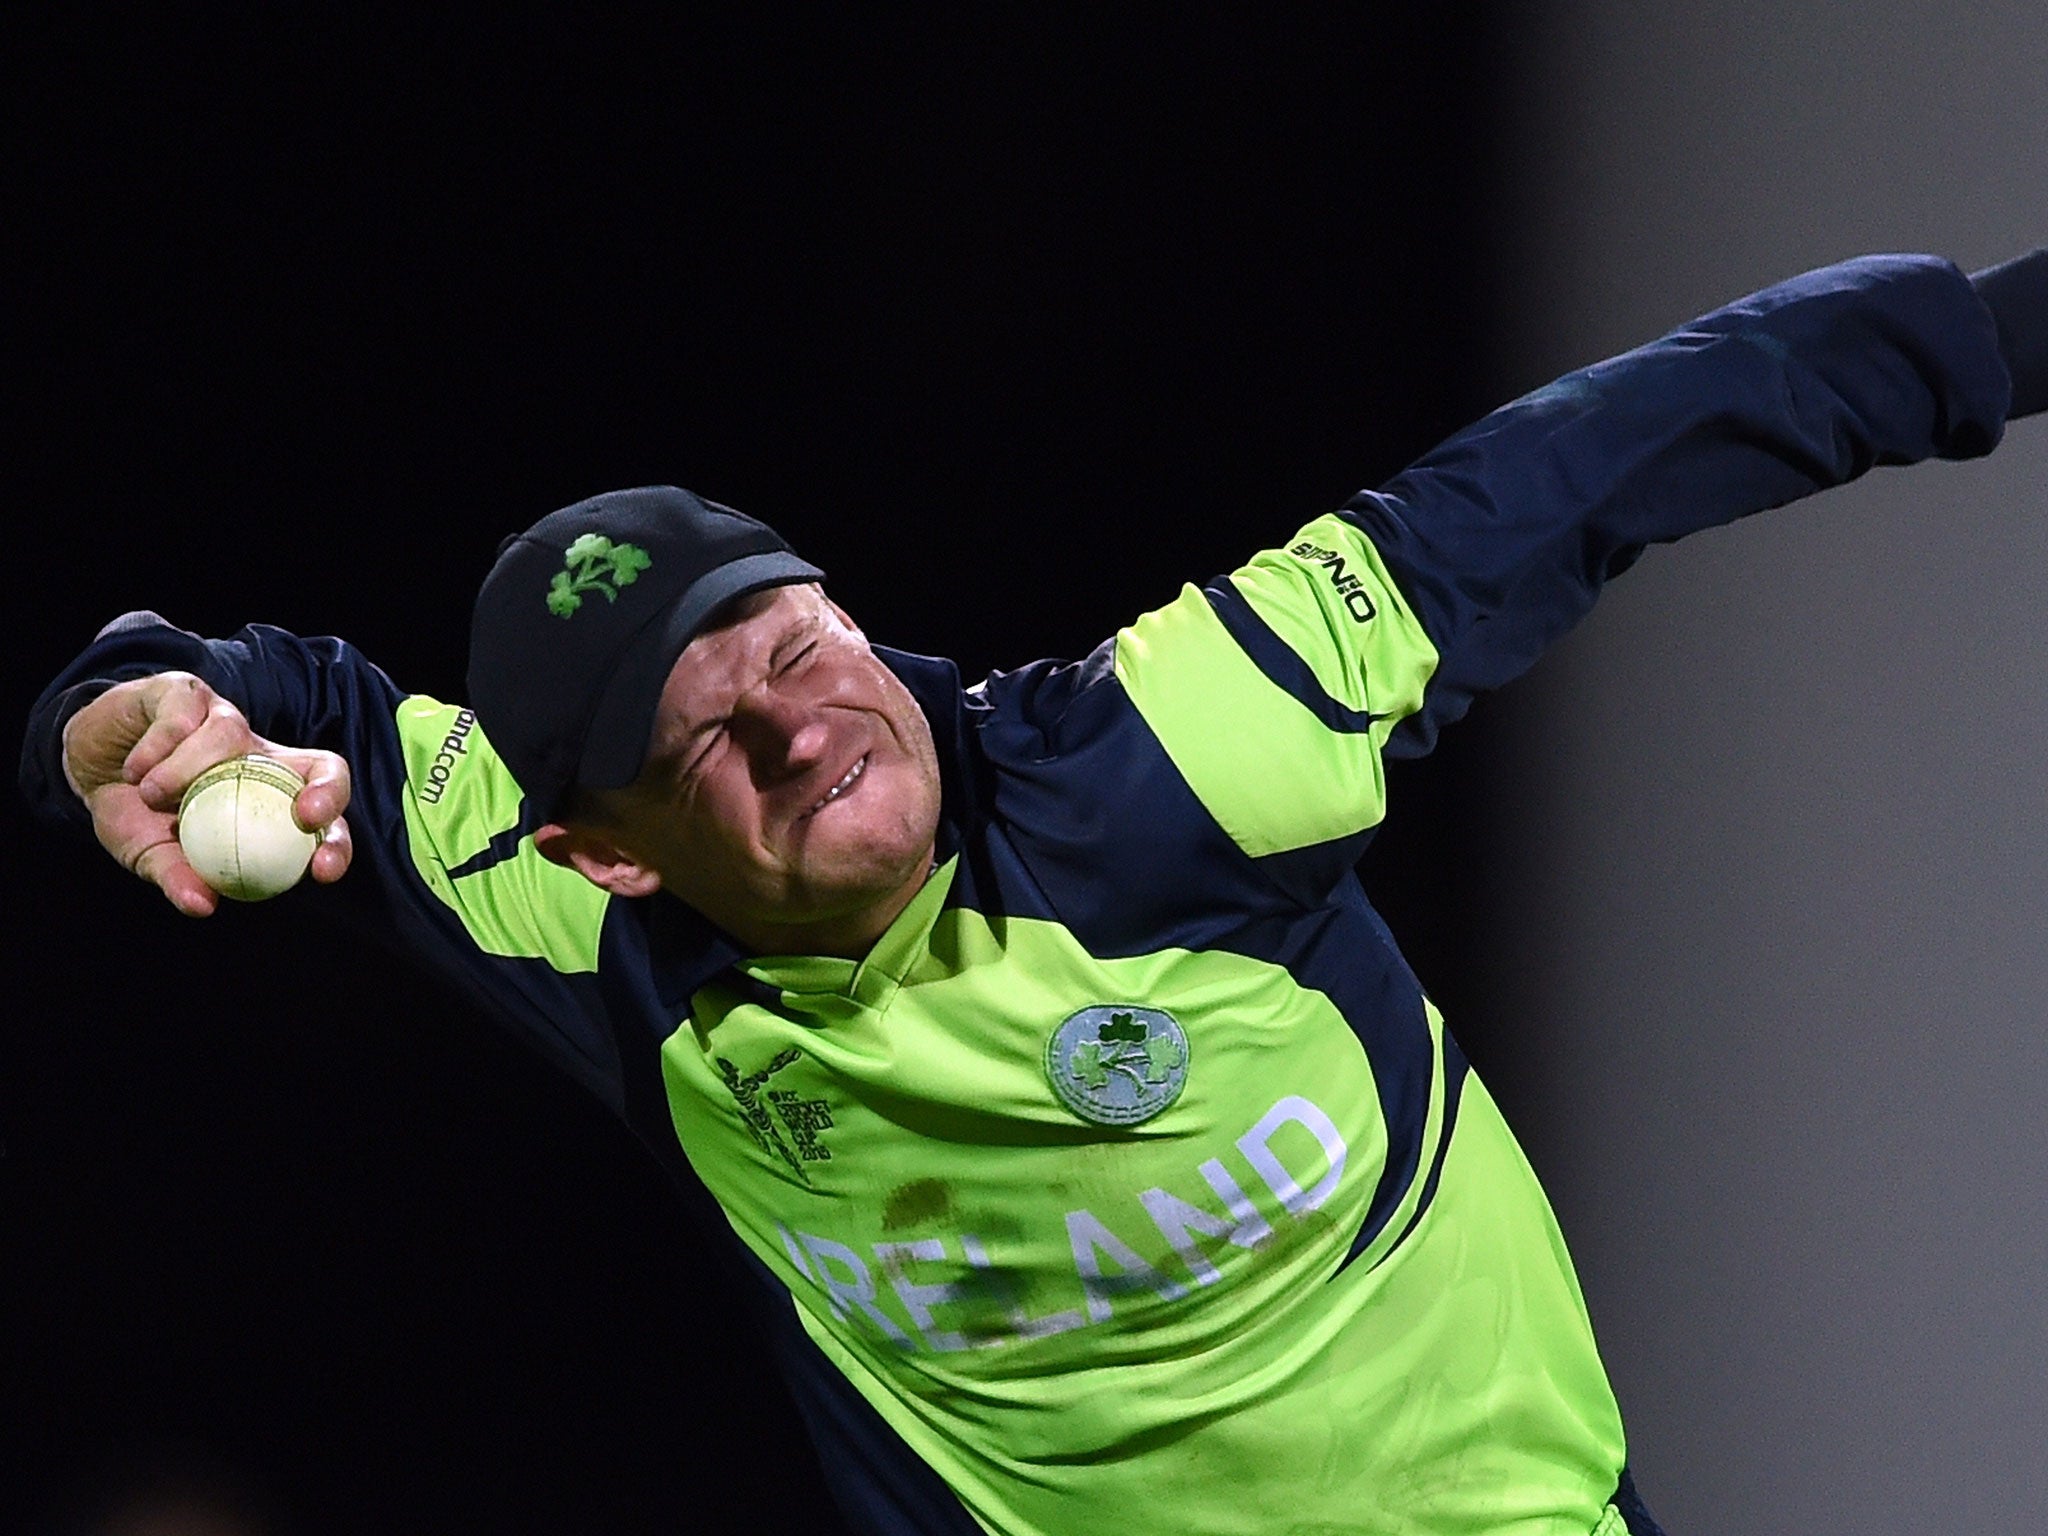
[843,785]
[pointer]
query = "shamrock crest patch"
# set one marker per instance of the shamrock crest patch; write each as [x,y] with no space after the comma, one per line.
[594,564]
[1117,1064]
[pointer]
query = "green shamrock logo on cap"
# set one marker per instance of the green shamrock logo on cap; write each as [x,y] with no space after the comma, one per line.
[594,564]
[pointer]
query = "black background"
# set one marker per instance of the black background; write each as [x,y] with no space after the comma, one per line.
[1011,326]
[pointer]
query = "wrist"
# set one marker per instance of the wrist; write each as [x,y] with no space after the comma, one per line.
[2016,293]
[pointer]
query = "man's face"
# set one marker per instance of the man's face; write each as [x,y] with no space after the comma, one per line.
[791,790]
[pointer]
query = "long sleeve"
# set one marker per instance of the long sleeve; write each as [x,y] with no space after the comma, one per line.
[306,692]
[1504,535]
[2016,293]
[1277,689]
[444,861]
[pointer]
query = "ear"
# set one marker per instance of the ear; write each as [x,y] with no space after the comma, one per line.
[596,858]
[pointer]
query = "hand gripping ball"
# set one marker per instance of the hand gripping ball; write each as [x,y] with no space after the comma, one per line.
[235,824]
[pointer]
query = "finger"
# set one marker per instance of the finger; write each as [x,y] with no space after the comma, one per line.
[145,843]
[165,866]
[222,735]
[125,826]
[329,786]
[100,737]
[172,706]
[335,852]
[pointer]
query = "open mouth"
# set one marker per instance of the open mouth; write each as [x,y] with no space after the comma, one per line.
[851,777]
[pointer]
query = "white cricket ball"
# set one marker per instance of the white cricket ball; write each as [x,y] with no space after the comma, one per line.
[235,824]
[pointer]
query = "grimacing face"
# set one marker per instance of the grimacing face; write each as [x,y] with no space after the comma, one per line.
[791,789]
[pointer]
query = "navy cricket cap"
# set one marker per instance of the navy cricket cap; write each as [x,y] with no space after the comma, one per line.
[580,622]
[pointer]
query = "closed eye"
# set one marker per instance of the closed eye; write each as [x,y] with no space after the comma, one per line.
[790,652]
[700,743]
[795,643]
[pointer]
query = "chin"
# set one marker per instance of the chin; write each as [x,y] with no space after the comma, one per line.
[868,847]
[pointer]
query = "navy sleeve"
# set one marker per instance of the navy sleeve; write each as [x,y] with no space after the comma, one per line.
[324,693]
[304,692]
[1503,536]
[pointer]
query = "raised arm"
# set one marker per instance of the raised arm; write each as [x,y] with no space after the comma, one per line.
[1503,536]
[1276,689]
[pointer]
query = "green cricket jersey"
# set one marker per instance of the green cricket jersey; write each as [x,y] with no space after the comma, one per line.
[1130,1235]
[1131,1184]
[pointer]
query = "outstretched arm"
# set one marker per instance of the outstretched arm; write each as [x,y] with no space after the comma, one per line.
[1276,689]
[1503,536]
[437,840]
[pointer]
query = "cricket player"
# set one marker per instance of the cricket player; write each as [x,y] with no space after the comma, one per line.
[1094,1160]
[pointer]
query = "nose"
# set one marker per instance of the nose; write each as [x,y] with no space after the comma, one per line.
[782,735]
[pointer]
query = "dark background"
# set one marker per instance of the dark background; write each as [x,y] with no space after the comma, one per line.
[1011,328]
